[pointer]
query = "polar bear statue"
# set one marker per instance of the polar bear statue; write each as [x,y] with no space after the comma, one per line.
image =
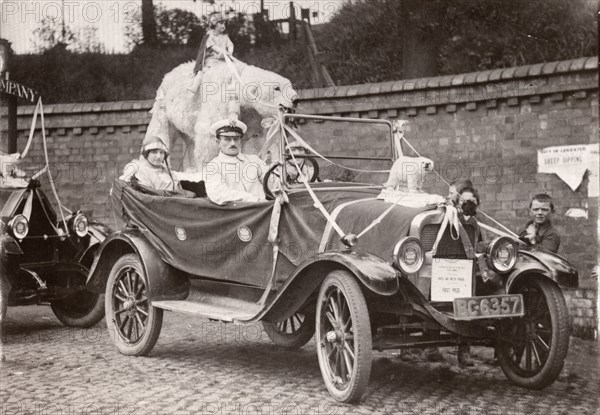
[179,113]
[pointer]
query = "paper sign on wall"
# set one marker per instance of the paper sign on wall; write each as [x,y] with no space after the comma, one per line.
[570,163]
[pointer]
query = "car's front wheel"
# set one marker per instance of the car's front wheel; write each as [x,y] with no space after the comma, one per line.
[343,337]
[133,323]
[532,350]
[293,332]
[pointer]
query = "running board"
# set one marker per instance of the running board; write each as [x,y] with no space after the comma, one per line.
[213,311]
[218,300]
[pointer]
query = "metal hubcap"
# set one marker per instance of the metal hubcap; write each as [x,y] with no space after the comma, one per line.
[332,337]
[131,306]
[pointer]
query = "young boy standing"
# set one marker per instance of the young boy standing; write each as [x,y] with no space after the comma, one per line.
[539,231]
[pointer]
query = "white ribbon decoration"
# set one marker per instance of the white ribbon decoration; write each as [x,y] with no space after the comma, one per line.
[451,214]
[39,109]
[508,231]
[28,206]
[497,231]
[279,124]
[398,136]
[450,218]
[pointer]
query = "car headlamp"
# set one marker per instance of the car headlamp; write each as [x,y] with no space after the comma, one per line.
[19,226]
[502,254]
[80,225]
[409,255]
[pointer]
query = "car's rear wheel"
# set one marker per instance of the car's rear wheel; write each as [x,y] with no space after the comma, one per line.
[133,323]
[293,332]
[532,350]
[81,309]
[343,337]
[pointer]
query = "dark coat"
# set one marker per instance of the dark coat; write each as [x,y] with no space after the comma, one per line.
[547,237]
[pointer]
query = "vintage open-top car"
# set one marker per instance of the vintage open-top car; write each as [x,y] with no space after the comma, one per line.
[325,255]
[45,256]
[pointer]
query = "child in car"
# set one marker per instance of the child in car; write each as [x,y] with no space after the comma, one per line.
[214,46]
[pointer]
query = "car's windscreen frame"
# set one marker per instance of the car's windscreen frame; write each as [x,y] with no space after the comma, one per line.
[294,118]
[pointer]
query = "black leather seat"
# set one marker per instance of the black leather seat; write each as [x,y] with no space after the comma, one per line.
[198,188]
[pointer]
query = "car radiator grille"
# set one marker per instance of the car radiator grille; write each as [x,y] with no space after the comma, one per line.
[448,248]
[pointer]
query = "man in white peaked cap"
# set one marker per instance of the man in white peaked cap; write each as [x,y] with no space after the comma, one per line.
[233,176]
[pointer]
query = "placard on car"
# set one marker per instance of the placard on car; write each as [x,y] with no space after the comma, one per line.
[451,278]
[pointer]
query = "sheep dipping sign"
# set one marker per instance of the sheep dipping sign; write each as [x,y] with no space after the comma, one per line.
[570,163]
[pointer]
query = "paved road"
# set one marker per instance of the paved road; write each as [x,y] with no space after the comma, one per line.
[203,367]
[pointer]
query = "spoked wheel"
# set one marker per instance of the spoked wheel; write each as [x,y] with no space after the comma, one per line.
[532,350]
[273,177]
[343,337]
[307,165]
[292,333]
[134,325]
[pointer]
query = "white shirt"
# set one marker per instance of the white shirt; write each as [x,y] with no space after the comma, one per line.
[235,178]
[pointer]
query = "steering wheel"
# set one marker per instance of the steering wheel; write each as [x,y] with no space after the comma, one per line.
[305,164]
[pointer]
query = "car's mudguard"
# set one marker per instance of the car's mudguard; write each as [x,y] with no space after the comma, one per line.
[98,232]
[10,245]
[376,274]
[373,272]
[164,281]
[544,263]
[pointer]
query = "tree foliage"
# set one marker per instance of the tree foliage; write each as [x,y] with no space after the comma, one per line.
[491,34]
[51,33]
[88,41]
[148,23]
[174,27]
[363,41]
[177,27]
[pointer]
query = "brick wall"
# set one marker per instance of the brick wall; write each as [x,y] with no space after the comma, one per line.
[486,126]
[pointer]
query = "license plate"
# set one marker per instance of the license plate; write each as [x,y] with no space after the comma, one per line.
[490,306]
